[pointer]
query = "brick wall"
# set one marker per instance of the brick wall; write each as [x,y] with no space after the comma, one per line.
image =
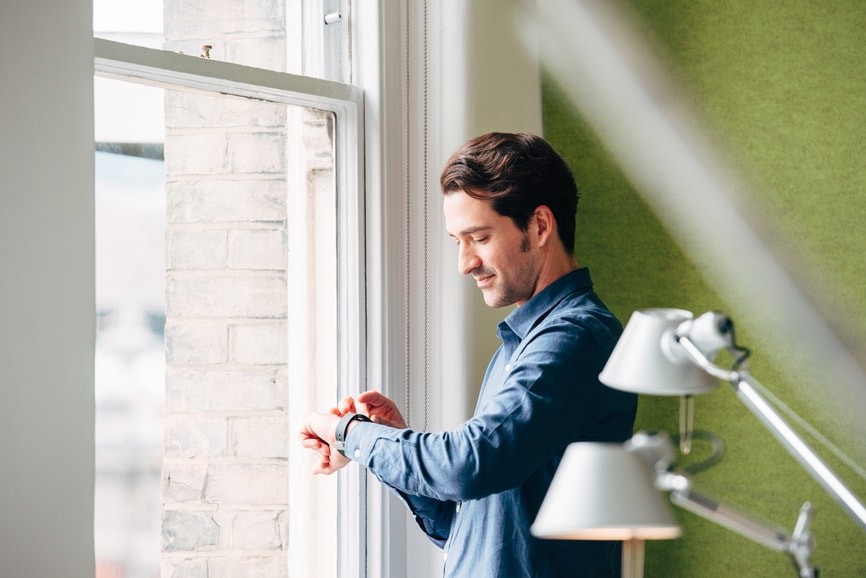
[225,474]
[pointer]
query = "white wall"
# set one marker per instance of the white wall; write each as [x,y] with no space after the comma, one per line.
[479,78]
[46,289]
[483,79]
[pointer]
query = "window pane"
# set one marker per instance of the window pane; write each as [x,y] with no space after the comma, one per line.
[211,263]
[136,22]
[130,360]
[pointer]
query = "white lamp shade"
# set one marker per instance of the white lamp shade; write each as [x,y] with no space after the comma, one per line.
[645,358]
[603,492]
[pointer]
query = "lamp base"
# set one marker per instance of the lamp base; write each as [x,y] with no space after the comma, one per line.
[632,558]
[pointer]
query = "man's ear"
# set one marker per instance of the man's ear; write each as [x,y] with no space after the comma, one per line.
[545,225]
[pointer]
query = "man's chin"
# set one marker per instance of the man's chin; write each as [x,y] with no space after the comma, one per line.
[492,300]
[489,298]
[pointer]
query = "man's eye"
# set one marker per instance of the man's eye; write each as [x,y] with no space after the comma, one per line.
[480,239]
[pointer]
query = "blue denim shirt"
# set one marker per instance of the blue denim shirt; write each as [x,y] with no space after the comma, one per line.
[476,490]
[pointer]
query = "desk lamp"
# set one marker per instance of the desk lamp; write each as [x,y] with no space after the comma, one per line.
[605,492]
[669,352]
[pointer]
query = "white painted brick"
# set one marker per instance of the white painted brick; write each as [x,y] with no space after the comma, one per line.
[196,249]
[252,153]
[322,185]
[183,481]
[171,567]
[210,201]
[200,190]
[183,530]
[226,295]
[260,344]
[193,110]
[210,157]
[189,437]
[249,567]
[285,519]
[188,343]
[225,519]
[248,484]
[269,53]
[261,437]
[190,18]
[317,136]
[257,249]
[264,390]
[258,530]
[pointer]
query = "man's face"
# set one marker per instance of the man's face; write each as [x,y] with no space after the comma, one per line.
[492,249]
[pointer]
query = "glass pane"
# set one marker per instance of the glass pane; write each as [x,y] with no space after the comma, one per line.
[138,22]
[216,240]
[130,363]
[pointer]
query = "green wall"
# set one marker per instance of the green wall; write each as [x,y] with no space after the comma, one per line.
[781,87]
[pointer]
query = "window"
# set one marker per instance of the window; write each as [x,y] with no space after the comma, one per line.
[265,260]
[130,358]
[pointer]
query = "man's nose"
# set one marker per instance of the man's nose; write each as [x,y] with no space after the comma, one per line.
[467,259]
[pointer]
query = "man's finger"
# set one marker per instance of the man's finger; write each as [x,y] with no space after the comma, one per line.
[371,397]
[346,405]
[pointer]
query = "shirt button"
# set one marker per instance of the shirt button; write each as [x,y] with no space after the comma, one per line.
[357,453]
[507,367]
[458,508]
[445,557]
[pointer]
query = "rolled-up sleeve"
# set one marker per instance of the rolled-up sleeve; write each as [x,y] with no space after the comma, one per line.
[546,394]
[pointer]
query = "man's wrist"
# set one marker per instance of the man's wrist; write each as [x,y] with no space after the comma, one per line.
[343,429]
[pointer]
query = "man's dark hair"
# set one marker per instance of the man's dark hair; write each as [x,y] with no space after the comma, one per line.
[517,173]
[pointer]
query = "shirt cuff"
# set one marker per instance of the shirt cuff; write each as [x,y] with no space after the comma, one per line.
[361,438]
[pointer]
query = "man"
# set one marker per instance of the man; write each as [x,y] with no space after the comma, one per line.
[510,203]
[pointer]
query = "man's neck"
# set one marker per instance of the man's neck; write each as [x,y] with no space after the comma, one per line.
[554,268]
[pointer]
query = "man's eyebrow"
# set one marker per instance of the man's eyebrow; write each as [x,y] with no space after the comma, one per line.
[471,230]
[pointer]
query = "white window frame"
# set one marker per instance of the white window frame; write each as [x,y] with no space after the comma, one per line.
[173,70]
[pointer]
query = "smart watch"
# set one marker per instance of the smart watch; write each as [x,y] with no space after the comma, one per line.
[342,426]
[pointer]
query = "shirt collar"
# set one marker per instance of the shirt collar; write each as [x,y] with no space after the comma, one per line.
[523,319]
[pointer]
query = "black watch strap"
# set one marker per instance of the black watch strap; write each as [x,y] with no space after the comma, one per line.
[342,426]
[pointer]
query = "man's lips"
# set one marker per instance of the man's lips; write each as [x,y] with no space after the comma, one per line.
[482,280]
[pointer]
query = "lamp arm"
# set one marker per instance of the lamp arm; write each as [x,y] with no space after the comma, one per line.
[742,383]
[798,546]
[811,462]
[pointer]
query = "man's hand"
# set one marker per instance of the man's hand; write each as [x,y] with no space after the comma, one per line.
[317,434]
[319,429]
[378,408]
